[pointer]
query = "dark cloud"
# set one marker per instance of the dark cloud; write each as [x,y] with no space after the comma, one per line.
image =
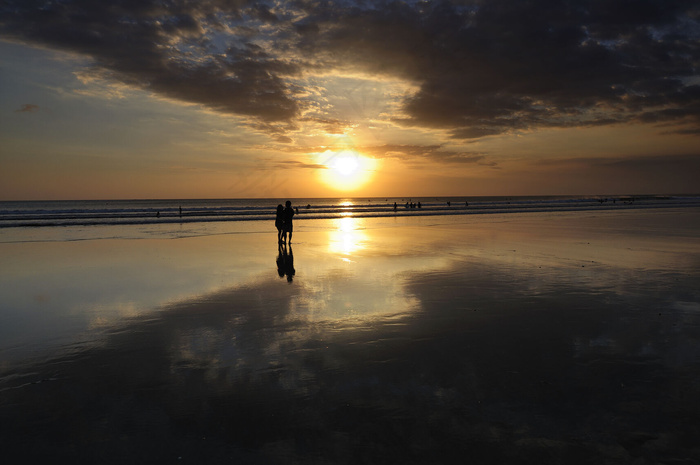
[401,151]
[27,108]
[482,67]
[432,152]
[167,47]
[299,164]
[488,67]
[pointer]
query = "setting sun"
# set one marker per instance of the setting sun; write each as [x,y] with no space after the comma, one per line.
[345,165]
[346,170]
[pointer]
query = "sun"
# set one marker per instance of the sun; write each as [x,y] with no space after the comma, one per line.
[345,164]
[346,170]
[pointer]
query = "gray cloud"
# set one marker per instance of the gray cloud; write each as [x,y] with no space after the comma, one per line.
[27,108]
[488,67]
[166,47]
[298,164]
[432,152]
[482,67]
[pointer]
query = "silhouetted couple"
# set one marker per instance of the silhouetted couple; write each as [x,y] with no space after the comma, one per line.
[283,222]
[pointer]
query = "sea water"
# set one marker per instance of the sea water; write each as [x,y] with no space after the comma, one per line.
[18,214]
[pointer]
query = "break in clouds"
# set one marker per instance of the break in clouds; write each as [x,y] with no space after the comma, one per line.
[481,67]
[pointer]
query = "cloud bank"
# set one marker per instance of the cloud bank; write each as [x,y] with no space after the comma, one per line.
[480,67]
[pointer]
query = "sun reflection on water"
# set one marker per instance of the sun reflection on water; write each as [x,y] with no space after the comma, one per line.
[346,207]
[348,238]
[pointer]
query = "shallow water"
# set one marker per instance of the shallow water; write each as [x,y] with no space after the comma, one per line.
[534,338]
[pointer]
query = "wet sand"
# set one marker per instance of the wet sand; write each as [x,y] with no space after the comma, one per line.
[531,338]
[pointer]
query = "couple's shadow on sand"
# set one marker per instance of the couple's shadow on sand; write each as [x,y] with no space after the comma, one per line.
[285,261]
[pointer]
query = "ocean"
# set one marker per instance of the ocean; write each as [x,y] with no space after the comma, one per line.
[15,214]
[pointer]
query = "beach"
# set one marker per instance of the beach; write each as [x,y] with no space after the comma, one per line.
[528,338]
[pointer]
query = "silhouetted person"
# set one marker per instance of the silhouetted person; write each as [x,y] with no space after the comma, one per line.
[279,222]
[288,215]
[180,212]
[394,206]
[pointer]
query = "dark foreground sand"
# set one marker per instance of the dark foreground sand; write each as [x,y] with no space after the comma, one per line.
[534,338]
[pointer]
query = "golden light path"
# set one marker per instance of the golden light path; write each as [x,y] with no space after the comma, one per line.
[348,238]
[346,170]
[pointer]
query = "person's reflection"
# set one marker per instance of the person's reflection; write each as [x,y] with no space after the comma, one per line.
[285,262]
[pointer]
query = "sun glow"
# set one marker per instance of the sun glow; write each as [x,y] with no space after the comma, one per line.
[346,170]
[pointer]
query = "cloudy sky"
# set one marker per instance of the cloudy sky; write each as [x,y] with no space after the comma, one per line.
[235,98]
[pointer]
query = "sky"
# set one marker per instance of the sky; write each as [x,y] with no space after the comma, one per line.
[264,99]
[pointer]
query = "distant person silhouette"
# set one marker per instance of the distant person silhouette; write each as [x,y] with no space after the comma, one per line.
[279,222]
[288,215]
